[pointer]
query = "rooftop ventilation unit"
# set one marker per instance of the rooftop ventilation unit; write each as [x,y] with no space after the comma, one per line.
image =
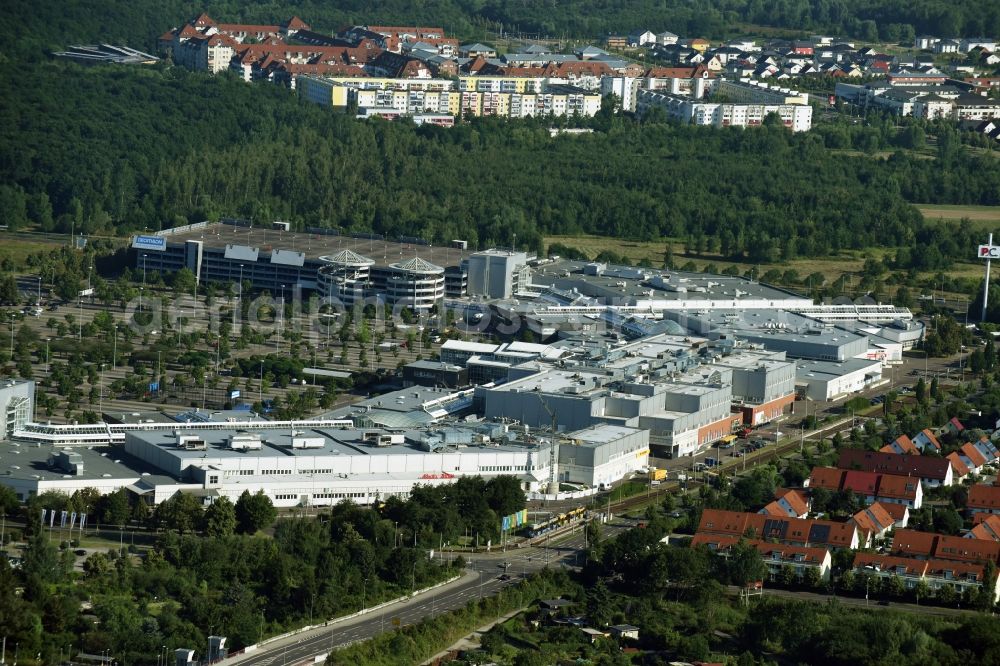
[245,441]
[190,442]
[378,438]
[67,461]
[299,442]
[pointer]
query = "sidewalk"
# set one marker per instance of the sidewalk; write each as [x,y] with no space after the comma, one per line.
[312,632]
[472,641]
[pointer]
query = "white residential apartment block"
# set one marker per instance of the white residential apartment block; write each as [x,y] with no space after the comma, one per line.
[797,117]
[506,97]
[623,87]
[502,84]
[755,92]
[696,87]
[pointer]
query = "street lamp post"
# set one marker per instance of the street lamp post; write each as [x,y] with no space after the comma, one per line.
[100,394]
[281,319]
[238,311]
[143,282]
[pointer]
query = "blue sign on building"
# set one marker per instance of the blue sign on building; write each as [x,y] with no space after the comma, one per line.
[158,243]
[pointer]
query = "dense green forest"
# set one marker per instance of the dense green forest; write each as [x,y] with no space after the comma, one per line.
[35,27]
[108,150]
[211,570]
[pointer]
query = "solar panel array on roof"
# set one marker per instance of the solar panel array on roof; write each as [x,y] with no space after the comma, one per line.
[819,533]
[288,258]
[241,252]
[775,529]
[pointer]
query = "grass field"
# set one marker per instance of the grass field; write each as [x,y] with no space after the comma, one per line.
[989,215]
[981,218]
[832,267]
[16,248]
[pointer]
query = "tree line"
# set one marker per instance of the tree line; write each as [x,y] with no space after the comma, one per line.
[35,28]
[229,568]
[110,151]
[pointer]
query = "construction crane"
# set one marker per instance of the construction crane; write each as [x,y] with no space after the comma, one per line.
[553,449]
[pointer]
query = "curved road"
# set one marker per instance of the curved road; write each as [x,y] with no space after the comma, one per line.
[482,578]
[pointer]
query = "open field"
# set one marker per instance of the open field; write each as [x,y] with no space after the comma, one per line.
[850,262]
[984,214]
[831,267]
[17,246]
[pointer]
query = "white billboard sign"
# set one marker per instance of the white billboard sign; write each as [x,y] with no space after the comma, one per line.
[989,252]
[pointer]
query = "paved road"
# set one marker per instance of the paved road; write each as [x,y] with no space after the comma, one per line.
[481,579]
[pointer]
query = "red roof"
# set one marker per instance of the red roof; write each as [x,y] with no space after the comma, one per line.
[987,529]
[785,552]
[930,437]
[796,499]
[912,542]
[924,467]
[809,555]
[968,550]
[873,519]
[216,40]
[880,562]
[315,54]
[719,521]
[983,497]
[828,478]
[944,547]
[957,464]
[863,483]
[897,511]
[322,68]
[789,502]
[782,529]
[973,454]
[966,571]
[202,20]
[295,23]
[898,487]
[476,64]
[713,541]
[904,444]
